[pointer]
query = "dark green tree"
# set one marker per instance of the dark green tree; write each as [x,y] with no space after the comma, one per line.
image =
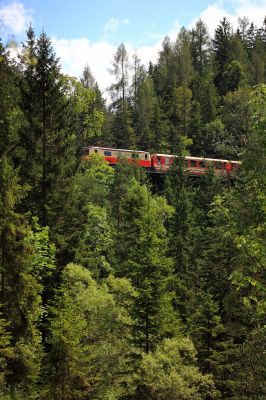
[21,290]
[142,258]
[47,141]
[180,233]
[222,52]
[145,113]
[11,115]
[200,47]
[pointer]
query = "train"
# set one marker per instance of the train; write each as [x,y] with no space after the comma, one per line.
[161,163]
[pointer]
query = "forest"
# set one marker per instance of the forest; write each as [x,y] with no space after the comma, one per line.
[113,287]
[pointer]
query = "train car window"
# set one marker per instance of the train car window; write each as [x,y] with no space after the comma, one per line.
[134,155]
[95,151]
[218,165]
[202,164]
[107,153]
[193,163]
[146,156]
[159,160]
[167,161]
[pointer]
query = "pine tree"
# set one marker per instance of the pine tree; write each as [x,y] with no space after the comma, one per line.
[142,258]
[182,51]
[122,129]
[11,115]
[145,109]
[182,112]
[200,44]
[180,233]
[20,292]
[222,52]
[47,142]
[236,117]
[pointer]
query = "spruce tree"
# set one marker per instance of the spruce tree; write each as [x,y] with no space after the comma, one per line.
[47,142]
[21,290]
[143,259]
[222,52]
[180,233]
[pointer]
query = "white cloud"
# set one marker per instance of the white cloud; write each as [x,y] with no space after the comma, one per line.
[15,18]
[255,11]
[74,54]
[113,24]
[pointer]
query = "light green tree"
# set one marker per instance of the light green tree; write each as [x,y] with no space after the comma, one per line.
[88,337]
[171,372]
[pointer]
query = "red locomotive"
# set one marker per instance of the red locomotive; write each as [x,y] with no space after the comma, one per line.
[160,163]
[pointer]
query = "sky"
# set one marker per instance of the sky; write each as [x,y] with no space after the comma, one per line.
[89,31]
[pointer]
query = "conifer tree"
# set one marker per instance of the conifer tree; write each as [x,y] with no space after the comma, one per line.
[47,142]
[142,258]
[180,232]
[11,115]
[182,51]
[222,52]
[200,45]
[20,292]
[145,110]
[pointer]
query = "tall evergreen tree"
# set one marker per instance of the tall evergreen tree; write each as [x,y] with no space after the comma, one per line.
[142,258]
[11,115]
[222,52]
[180,232]
[200,47]
[47,142]
[20,289]
[182,51]
[145,110]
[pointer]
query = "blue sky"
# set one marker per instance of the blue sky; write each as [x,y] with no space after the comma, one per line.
[137,21]
[89,31]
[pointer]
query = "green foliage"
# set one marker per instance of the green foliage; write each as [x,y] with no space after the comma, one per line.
[20,290]
[249,236]
[43,258]
[87,119]
[200,47]
[250,373]
[142,258]
[232,76]
[97,240]
[94,180]
[88,338]
[110,329]
[171,373]
[206,330]
[6,354]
